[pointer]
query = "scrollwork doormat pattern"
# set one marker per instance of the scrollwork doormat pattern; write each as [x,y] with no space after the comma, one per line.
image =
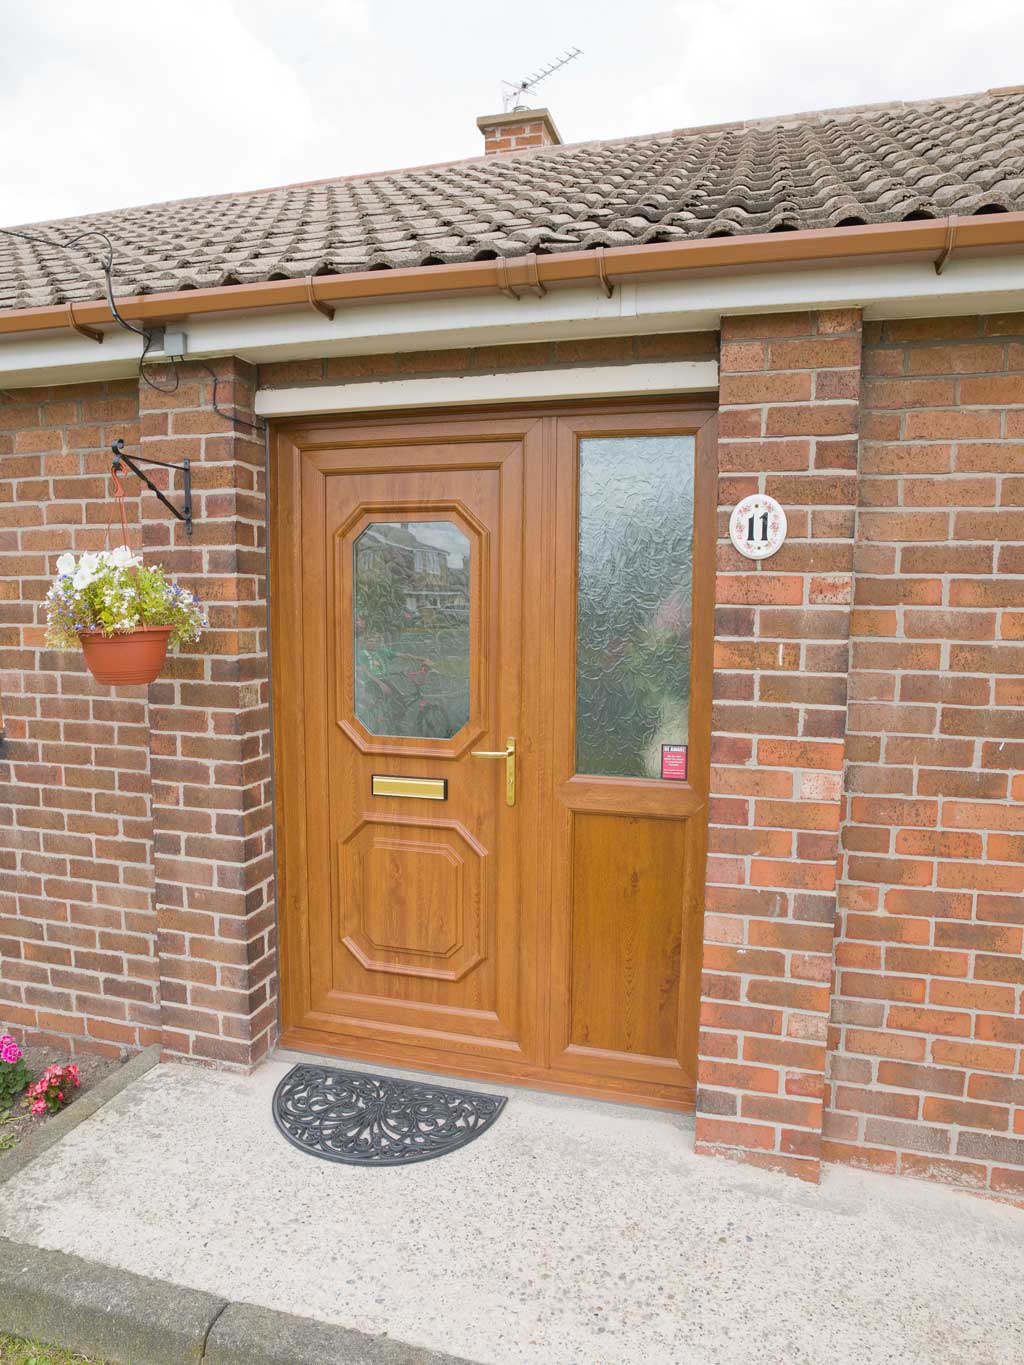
[367,1120]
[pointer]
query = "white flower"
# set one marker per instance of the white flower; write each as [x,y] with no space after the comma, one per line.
[66,564]
[123,558]
[90,566]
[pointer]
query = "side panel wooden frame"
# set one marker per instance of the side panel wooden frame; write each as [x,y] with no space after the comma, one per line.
[669,1081]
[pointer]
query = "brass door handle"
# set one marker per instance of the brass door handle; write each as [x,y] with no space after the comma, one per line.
[509,755]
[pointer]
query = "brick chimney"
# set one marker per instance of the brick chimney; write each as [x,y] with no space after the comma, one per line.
[517,130]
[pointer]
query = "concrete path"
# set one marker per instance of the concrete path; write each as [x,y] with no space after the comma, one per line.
[571,1233]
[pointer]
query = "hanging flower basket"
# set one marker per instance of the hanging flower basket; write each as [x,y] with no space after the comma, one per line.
[136,657]
[124,615]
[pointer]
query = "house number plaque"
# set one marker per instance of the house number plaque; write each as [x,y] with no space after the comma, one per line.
[757,526]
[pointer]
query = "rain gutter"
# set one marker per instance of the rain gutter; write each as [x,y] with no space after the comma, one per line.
[534,274]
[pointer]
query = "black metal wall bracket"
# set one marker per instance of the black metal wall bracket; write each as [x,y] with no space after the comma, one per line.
[120,458]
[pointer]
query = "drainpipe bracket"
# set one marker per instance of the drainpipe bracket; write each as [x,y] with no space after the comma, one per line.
[91,332]
[323,308]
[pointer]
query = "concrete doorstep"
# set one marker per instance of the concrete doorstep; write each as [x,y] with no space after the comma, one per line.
[177,1225]
[114,1315]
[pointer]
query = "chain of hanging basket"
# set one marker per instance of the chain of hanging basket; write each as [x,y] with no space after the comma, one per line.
[119,496]
[136,656]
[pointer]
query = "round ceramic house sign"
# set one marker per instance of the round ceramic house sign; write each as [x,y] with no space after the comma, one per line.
[757,526]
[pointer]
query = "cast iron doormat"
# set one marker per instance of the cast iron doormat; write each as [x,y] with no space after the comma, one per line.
[367,1120]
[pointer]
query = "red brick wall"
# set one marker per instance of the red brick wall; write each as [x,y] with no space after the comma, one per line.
[77,926]
[788,422]
[136,895]
[926,1077]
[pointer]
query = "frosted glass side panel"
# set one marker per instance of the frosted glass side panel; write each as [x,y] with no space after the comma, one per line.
[633,602]
[410,628]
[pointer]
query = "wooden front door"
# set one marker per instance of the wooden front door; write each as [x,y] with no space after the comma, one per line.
[445,591]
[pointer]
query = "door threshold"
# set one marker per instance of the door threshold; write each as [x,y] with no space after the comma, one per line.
[487,1080]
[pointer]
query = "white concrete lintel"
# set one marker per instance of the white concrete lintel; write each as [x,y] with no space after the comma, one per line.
[598,381]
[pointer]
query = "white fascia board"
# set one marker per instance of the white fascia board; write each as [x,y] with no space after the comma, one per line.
[597,381]
[64,357]
[686,302]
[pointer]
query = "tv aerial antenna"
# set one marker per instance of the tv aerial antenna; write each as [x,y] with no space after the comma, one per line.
[515,93]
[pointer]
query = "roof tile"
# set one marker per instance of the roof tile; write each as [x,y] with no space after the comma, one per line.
[830,169]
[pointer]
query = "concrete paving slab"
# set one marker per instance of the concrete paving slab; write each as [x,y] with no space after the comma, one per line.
[59,1125]
[571,1233]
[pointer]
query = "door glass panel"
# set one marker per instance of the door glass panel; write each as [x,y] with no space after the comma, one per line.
[411,628]
[633,602]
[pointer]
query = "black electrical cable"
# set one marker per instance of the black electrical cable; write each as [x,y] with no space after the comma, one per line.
[144,332]
[254,426]
[107,267]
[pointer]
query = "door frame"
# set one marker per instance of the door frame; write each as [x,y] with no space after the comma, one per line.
[288,439]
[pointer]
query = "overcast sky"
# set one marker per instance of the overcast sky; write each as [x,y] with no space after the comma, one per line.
[105,103]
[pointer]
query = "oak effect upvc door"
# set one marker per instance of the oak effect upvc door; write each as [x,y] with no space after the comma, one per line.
[491,676]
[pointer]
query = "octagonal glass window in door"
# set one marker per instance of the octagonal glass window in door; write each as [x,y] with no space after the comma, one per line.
[410,629]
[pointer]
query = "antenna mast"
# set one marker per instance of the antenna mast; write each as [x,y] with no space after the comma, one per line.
[514,92]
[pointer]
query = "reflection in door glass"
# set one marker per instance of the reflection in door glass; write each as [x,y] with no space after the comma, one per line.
[411,628]
[633,602]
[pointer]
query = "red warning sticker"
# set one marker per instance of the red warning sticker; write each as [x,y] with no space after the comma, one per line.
[673,762]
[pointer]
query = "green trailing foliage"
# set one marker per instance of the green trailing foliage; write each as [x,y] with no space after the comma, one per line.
[113,591]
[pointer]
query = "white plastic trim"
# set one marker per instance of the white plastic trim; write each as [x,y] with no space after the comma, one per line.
[599,381]
[991,284]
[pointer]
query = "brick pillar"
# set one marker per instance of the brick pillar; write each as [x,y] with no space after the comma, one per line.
[210,740]
[788,422]
[927,1065]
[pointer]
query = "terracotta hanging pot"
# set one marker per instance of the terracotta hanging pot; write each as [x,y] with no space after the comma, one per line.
[137,656]
[113,585]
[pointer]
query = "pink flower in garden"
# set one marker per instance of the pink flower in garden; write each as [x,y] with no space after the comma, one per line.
[51,1090]
[9,1049]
